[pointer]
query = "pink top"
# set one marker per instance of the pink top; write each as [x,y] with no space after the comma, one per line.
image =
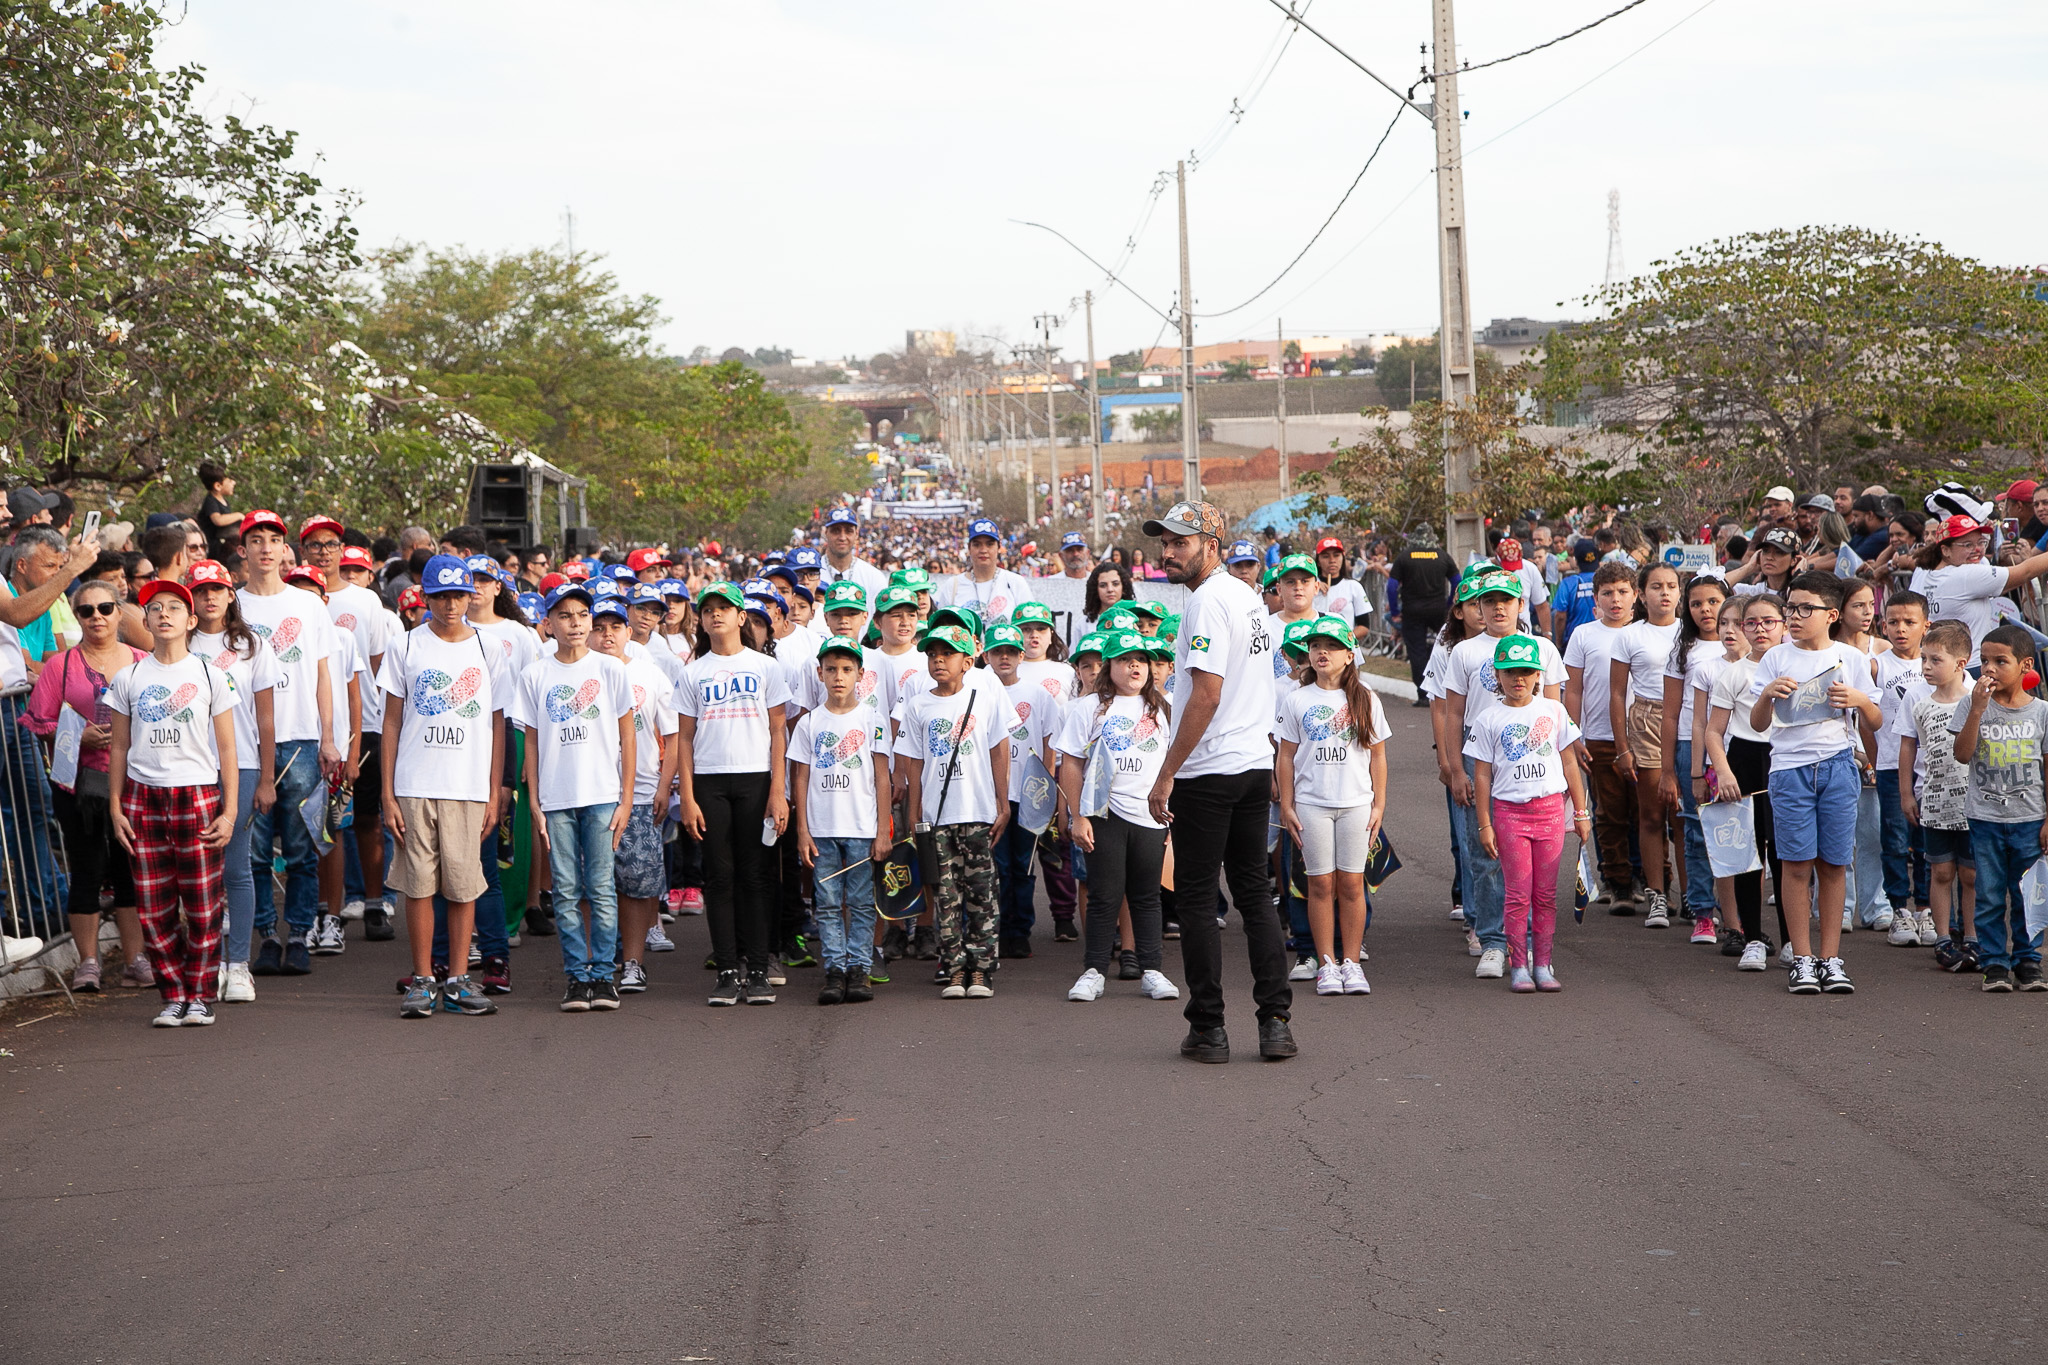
[67,677]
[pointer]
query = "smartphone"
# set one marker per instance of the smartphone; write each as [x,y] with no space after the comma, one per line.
[2012,528]
[92,525]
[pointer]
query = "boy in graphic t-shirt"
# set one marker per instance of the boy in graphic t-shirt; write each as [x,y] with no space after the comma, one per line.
[443,751]
[2001,737]
[842,788]
[576,708]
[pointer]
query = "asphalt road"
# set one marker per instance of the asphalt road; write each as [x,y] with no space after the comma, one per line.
[1667,1161]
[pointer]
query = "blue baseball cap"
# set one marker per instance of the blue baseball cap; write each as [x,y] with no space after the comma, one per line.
[674,587]
[1242,551]
[604,587]
[477,564]
[984,526]
[799,590]
[609,606]
[619,573]
[804,557]
[774,556]
[758,587]
[1073,540]
[567,591]
[841,516]
[446,573]
[645,595]
[532,604]
[781,569]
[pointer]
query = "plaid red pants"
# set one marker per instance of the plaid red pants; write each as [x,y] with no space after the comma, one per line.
[174,868]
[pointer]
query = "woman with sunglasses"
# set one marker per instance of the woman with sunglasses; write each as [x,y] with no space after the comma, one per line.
[78,678]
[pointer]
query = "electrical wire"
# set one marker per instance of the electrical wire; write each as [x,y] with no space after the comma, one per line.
[1107,272]
[1540,46]
[1269,63]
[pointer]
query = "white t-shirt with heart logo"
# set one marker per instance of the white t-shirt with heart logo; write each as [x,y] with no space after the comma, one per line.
[1332,762]
[1525,746]
[170,710]
[1037,721]
[300,635]
[449,692]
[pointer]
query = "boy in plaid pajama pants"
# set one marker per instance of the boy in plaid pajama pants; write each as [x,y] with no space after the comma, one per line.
[172,780]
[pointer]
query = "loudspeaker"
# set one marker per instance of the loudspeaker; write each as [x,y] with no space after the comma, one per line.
[498,499]
[580,540]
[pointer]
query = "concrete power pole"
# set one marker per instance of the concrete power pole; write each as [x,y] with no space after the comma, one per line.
[1052,426]
[1280,343]
[1465,530]
[1094,427]
[1190,421]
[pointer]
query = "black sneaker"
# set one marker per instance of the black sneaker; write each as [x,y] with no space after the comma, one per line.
[799,953]
[540,920]
[574,1001]
[298,958]
[758,991]
[269,958]
[1171,930]
[377,926]
[1064,930]
[1127,968]
[1731,943]
[1276,1040]
[1015,949]
[940,976]
[858,991]
[1210,1045]
[1969,963]
[1803,976]
[1948,954]
[1997,980]
[727,991]
[1834,978]
[2026,975]
[603,995]
[834,990]
[924,944]
[895,942]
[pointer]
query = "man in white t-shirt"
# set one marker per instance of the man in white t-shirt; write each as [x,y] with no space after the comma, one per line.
[990,589]
[842,540]
[1217,780]
[373,626]
[300,635]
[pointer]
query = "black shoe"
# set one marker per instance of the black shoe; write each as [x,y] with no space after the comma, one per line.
[727,991]
[1127,968]
[574,1001]
[834,991]
[1063,930]
[1420,701]
[758,991]
[603,995]
[1731,943]
[269,959]
[540,920]
[858,991]
[895,943]
[924,944]
[1206,1045]
[1276,1040]
[1171,930]
[2027,975]
[1015,949]
[940,976]
[1997,980]
[377,927]
[298,958]
[1622,903]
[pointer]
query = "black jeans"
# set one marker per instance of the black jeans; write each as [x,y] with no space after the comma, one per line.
[1419,627]
[1219,826]
[739,875]
[1126,862]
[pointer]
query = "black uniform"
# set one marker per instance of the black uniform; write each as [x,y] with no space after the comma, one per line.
[1424,573]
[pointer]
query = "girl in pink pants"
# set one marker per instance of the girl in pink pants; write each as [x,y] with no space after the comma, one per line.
[1525,766]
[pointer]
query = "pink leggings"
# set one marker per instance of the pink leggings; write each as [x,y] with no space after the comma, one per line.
[1530,835]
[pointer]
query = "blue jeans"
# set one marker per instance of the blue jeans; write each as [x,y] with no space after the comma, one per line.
[298,772]
[1699,873]
[580,854]
[2004,853]
[1486,907]
[1299,940]
[491,938]
[1015,885]
[1905,847]
[28,866]
[238,878]
[843,891]
[1865,894]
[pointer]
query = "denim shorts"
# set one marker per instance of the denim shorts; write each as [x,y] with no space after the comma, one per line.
[637,867]
[1813,810]
[1949,846]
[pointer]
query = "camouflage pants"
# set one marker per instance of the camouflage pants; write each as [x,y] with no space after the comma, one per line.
[964,902]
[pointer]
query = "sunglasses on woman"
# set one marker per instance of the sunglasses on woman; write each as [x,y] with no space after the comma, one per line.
[85,609]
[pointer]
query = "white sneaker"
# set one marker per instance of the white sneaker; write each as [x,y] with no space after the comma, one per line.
[1784,954]
[1923,920]
[1472,943]
[1304,968]
[1089,987]
[197,1015]
[1658,915]
[328,939]
[1329,978]
[1156,986]
[352,908]
[1354,979]
[1905,932]
[1848,921]
[658,941]
[240,987]
[170,1016]
[16,949]
[1755,957]
[1458,913]
[1493,964]
[1884,920]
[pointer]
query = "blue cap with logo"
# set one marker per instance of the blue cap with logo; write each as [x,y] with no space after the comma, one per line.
[1073,540]
[446,573]
[620,573]
[984,526]
[645,595]
[605,587]
[841,516]
[1242,552]
[804,557]
[531,604]
[569,592]
[477,564]
[774,556]
[608,606]
[784,570]
[674,587]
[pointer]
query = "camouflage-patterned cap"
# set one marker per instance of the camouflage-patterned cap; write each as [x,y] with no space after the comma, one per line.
[1517,652]
[1189,519]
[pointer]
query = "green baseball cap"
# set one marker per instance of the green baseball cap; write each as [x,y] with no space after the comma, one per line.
[1151,609]
[1091,643]
[1331,628]
[1118,617]
[724,592]
[952,637]
[1036,613]
[1004,636]
[1169,629]
[872,637]
[967,618]
[1517,652]
[1292,563]
[917,580]
[839,644]
[1158,647]
[1494,580]
[1294,639]
[894,596]
[1124,642]
[846,595]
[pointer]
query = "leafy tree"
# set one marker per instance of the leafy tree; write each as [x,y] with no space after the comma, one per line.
[1407,363]
[1158,424]
[1790,356]
[1127,362]
[772,355]
[1239,369]
[1292,352]
[166,280]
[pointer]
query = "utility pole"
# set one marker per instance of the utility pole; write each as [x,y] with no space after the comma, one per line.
[1280,341]
[1052,427]
[1094,427]
[1190,422]
[1466,531]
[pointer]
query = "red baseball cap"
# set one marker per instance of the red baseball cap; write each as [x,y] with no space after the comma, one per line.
[313,523]
[355,557]
[307,573]
[411,597]
[576,569]
[1956,527]
[1508,554]
[1329,543]
[209,571]
[157,587]
[549,582]
[2023,490]
[646,559]
[263,516]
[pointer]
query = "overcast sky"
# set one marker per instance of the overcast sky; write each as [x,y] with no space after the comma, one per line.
[822,174]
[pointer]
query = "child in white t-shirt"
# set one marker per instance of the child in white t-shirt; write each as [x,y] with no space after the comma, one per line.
[576,709]
[1037,718]
[172,788]
[639,864]
[1525,764]
[1332,778]
[842,792]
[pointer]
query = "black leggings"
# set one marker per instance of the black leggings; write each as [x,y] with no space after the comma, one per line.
[1126,863]
[1751,761]
[739,882]
[97,859]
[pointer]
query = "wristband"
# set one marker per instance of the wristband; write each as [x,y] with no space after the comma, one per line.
[1582,815]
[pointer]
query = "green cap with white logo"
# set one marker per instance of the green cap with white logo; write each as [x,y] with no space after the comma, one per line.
[846,595]
[1517,652]
[1004,636]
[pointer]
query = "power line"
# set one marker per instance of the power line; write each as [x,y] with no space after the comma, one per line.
[1269,63]
[1109,274]
[1296,16]
[1552,43]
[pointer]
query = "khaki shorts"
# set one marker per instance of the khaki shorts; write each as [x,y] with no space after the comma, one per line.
[1645,726]
[442,849]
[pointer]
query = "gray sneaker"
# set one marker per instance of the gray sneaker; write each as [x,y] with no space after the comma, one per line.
[422,997]
[459,995]
[85,978]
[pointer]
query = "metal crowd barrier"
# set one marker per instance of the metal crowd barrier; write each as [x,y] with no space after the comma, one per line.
[34,868]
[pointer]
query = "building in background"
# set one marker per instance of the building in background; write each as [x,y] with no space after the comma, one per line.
[938,345]
[1513,340]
